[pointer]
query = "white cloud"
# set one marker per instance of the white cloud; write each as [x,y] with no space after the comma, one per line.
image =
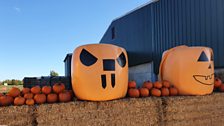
[17,9]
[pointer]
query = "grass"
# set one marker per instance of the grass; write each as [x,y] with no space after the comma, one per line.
[5,89]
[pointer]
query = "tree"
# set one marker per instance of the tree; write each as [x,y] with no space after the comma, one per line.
[12,82]
[53,73]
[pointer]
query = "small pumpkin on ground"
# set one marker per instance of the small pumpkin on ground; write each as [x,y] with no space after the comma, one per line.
[40,98]
[165,91]
[28,96]
[30,102]
[6,100]
[134,93]
[58,88]
[25,90]
[166,84]
[148,85]
[52,98]
[217,83]
[132,84]
[173,91]
[18,101]
[14,92]
[156,92]
[65,96]
[158,85]
[46,90]
[144,92]
[36,90]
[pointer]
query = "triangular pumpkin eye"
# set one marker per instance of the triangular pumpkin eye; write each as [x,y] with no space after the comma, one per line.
[87,58]
[122,60]
[203,57]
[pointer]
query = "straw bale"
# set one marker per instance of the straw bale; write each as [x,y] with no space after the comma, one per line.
[194,110]
[144,111]
[17,115]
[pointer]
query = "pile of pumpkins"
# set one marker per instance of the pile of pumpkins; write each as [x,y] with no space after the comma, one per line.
[36,95]
[148,88]
[57,93]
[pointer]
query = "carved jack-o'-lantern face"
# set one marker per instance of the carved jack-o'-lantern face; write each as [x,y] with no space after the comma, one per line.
[99,72]
[206,60]
[190,69]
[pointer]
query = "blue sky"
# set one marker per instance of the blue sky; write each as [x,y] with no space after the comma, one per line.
[35,36]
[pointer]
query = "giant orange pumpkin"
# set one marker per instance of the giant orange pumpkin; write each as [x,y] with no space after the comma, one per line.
[99,72]
[189,69]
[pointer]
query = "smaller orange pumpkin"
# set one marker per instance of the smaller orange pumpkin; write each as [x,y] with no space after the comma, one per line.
[156,92]
[133,93]
[132,84]
[165,91]
[40,98]
[58,88]
[173,91]
[36,90]
[25,91]
[10,99]
[18,101]
[148,85]
[46,90]
[6,100]
[30,102]
[52,98]
[14,92]
[158,85]
[218,83]
[144,92]
[64,96]
[28,96]
[166,84]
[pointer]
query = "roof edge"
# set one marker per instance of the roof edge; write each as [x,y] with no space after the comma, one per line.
[137,8]
[69,54]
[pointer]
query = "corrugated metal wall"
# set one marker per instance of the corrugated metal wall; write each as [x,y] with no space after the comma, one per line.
[149,31]
[134,33]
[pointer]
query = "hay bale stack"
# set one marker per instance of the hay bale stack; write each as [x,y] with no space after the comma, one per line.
[144,111]
[17,115]
[194,110]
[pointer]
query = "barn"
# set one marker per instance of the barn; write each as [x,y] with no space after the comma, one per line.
[147,31]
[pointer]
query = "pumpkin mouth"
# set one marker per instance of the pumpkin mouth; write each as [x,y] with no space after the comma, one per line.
[204,79]
[104,81]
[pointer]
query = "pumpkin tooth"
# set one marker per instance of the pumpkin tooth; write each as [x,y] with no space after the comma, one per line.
[104,81]
[113,80]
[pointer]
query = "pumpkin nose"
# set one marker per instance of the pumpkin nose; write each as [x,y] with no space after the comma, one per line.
[109,65]
[210,66]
